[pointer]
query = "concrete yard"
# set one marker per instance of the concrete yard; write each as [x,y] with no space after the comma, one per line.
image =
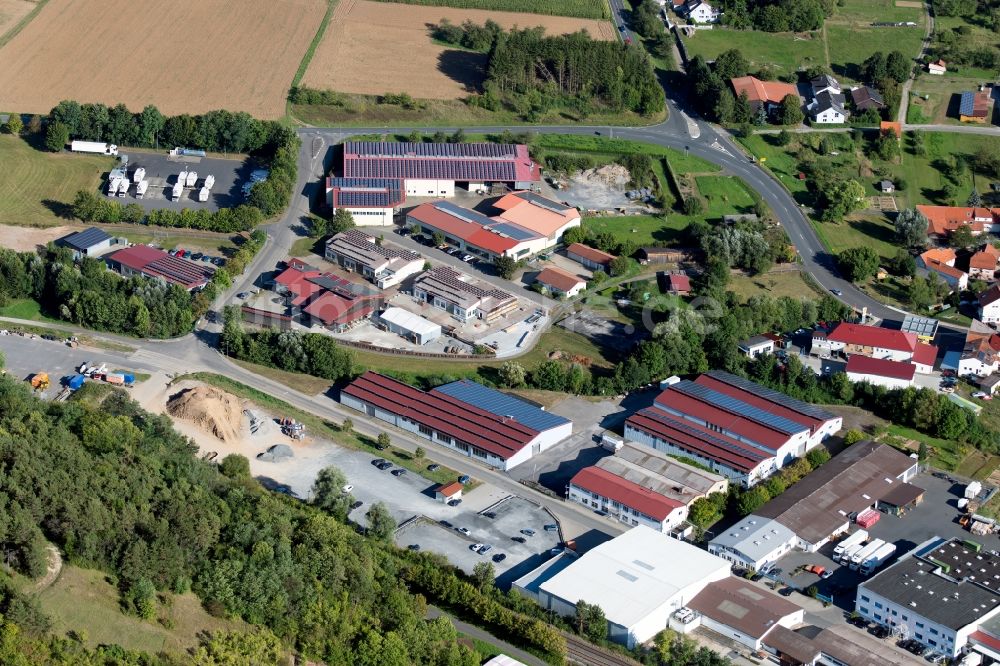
[162,171]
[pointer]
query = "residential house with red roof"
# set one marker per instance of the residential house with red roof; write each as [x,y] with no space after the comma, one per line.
[735,427]
[942,220]
[941,261]
[981,353]
[983,264]
[482,423]
[560,283]
[876,342]
[880,372]
[154,263]
[677,284]
[768,94]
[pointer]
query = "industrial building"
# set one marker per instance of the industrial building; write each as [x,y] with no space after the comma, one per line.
[413,327]
[810,645]
[634,578]
[820,506]
[324,299]
[355,250]
[641,486]
[742,611]
[370,201]
[735,427]
[434,169]
[461,297]
[91,242]
[880,371]
[945,594]
[154,263]
[528,224]
[482,423]
[589,257]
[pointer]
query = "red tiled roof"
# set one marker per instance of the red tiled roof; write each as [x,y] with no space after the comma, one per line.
[535,213]
[986,258]
[449,489]
[763,91]
[558,278]
[697,439]
[945,269]
[943,255]
[153,262]
[717,385]
[447,415]
[590,253]
[472,233]
[873,336]
[632,495]
[677,282]
[331,308]
[942,220]
[866,365]
[925,354]
[722,418]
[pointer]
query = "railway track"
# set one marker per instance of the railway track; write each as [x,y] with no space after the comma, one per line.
[579,651]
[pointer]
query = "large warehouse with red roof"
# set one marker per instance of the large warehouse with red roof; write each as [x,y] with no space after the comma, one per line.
[737,428]
[154,263]
[479,422]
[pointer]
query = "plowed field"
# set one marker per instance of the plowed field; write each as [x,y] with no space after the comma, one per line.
[373,48]
[184,56]
[12,11]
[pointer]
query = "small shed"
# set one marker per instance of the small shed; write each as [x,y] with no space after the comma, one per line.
[990,383]
[938,67]
[677,284]
[901,498]
[887,186]
[447,492]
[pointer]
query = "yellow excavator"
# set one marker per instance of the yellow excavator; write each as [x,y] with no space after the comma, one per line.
[40,381]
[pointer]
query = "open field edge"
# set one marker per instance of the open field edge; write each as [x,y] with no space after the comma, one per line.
[20,25]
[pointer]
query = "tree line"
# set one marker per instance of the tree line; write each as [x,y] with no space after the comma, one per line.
[776,15]
[89,206]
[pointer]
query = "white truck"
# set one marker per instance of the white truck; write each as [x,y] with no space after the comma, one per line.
[192,178]
[182,178]
[865,553]
[203,194]
[177,191]
[93,147]
[877,559]
[845,557]
[123,187]
[138,175]
[209,181]
[113,186]
[855,539]
[140,188]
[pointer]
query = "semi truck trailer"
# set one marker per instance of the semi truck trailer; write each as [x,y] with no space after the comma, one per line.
[138,175]
[865,553]
[192,178]
[857,538]
[876,560]
[93,147]
[203,194]
[140,188]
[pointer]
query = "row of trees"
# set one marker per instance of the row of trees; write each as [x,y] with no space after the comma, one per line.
[776,15]
[89,206]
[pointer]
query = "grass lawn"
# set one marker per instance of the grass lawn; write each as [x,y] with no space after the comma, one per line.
[782,164]
[775,285]
[305,383]
[943,453]
[873,230]
[850,45]
[303,246]
[171,239]
[37,187]
[941,92]
[725,195]
[681,161]
[784,51]
[978,465]
[82,601]
[863,12]
[26,308]
[642,229]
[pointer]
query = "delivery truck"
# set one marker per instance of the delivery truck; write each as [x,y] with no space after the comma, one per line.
[93,147]
[140,188]
[113,186]
[855,539]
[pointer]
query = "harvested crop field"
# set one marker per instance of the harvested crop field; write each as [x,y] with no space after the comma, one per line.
[12,11]
[371,48]
[188,56]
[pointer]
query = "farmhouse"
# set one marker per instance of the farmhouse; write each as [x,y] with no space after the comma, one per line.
[479,422]
[975,107]
[91,242]
[768,94]
[634,578]
[829,104]
[370,201]
[866,97]
[955,278]
[981,353]
[735,427]
[434,169]
[558,282]
[355,250]
[983,264]
[590,257]
[942,220]
[880,371]
[447,289]
[155,263]
[641,486]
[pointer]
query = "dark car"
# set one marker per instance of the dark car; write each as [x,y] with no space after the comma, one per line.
[454,502]
[414,546]
[527,532]
[197,256]
[399,471]
[433,467]
[551,528]
[499,557]
[380,446]
[378,461]
[490,515]
[444,523]
[384,466]
[786,591]
[881,631]
[464,479]
[357,504]
[939,475]
[518,539]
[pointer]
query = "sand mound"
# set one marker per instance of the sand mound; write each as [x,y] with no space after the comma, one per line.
[213,410]
[612,175]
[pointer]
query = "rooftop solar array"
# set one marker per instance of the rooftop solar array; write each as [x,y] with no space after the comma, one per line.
[513,231]
[464,214]
[967,104]
[501,404]
[734,406]
[339,286]
[364,243]
[422,168]
[366,192]
[178,269]
[922,326]
[87,238]
[491,151]
[772,395]
[542,202]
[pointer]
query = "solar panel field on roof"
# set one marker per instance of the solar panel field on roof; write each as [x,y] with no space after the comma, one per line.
[513,231]
[501,404]
[730,404]
[422,168]
[967,104]
[772,395]
[431,150]
[690,430]
[464,214]
[542,202]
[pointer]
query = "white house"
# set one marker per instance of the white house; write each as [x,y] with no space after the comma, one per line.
[698,11]
[558,282]
[757,346]
[829,103]
[989,305]
[356,250]
[411,326]
[981,354]
[370,201]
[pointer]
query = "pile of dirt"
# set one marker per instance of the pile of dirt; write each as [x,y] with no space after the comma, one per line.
[612,175]
[212,410]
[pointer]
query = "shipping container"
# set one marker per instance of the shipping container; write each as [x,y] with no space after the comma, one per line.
[113,186]
[867,518]
[123,187]
[93,147]
[182,178]
[114,378]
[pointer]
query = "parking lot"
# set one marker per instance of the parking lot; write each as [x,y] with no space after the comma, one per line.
[162,171]
[511,516]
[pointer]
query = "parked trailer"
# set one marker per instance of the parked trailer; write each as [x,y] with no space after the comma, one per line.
[855,539]
[192,178]
[177,191]
[115,378]
[75,382]
[865,553]
[845,557]
[187,152]
[138,175]
[880,557]
[203,194]
[209,181]
[93,147]
[113,186]
[140,188]
[123,187]
[182,178]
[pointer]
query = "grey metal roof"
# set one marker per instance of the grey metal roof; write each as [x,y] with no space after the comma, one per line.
[954,600]
[754,341]
[501,404]
[754,537]
[542,202]
[86,239]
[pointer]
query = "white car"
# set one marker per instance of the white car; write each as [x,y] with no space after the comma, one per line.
[979,394]
[476,547]
[348,488]
[464,530]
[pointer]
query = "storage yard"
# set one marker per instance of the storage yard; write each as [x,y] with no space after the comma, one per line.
[365,35]
[161,172]
[174,55]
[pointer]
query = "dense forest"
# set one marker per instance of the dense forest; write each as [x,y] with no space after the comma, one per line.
[776,15]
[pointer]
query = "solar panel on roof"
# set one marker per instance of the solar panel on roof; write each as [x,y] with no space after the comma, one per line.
[730,404]
[501,404]
[664,418]
[513,231]
[87,238]
[542,202]
[772,395]
[431,150]
[463,214]
[967,104]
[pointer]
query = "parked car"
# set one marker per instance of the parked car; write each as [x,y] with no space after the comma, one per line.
[551,527]
[464,479]
[947,389]
[197,256]
[414,546]
[242,295]
[982,395]
[519,539]
[454,502]
[476,547]
[467,258]
[499,557]
[836,292]
[433,467]
[490,514]
[881,631]
[444,523]
[399,471]
[485,549]
[356,505]
[826,574]
[463,530]
[527,532]
[346,489]
[386,465]
[378,461]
